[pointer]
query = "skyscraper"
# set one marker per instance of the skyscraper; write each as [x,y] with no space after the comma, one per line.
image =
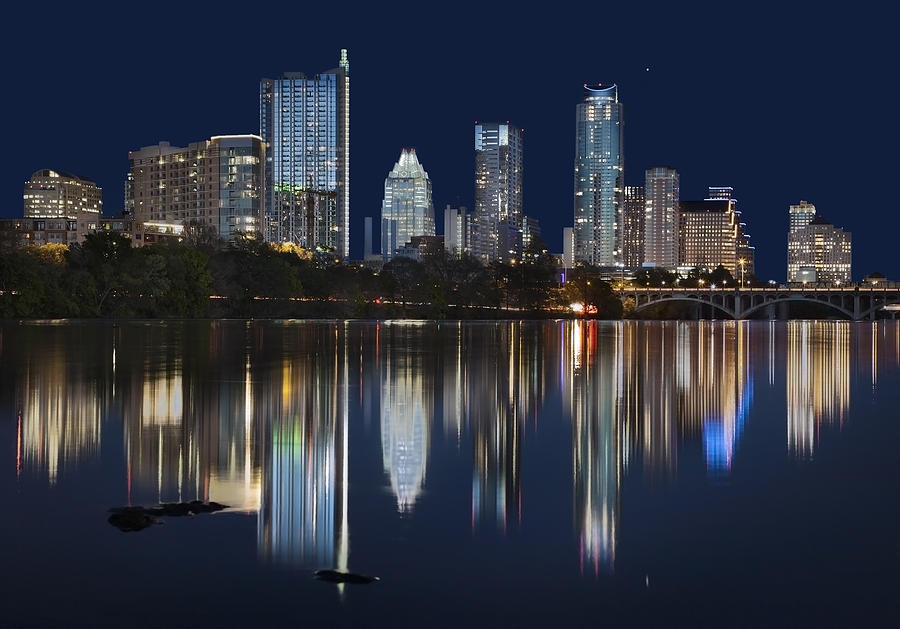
[599,176]
[216,183]
[633,216]
[407,209]
[711,234]
[801,215]
[661,193]
[498,191]
[306,126]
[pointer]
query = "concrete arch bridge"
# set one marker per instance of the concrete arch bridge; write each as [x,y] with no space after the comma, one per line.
[854,302]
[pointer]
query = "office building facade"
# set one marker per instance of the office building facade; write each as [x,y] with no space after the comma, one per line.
[599,176]
[407,209]
[66,207]
[800,215]
[498,191]
[216,184]
[305,123]
[819,253]
[711,234]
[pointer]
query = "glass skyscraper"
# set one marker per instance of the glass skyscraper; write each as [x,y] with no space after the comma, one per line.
[407,209]
[599,177]
[306,126]
[498,192]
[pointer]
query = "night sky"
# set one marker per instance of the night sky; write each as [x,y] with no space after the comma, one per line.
[782,103]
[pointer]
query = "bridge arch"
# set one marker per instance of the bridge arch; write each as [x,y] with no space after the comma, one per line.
[854,303]
[683,298]
[796,298]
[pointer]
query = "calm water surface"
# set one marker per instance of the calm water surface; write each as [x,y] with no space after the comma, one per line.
[492,474]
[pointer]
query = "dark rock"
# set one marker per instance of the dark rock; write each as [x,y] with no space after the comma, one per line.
[337,576]
[177,509]
[129,519]
[138,518]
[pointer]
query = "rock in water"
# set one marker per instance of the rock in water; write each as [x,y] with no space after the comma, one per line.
[129,519]
[138,518]
[337,576]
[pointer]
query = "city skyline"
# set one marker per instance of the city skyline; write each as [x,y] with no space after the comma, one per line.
[749,116]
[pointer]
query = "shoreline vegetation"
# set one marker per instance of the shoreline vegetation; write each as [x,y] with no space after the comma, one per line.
[105,277]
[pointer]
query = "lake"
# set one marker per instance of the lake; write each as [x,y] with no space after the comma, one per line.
[527,474]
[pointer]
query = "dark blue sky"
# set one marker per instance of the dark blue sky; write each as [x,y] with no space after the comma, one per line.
[783,103]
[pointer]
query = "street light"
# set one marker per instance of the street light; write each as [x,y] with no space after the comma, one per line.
[742,262]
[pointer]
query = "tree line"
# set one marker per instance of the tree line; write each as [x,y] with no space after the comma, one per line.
[104,276]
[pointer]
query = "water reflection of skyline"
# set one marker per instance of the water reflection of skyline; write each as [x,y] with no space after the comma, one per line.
[818,380]
[258,416]
[407,403]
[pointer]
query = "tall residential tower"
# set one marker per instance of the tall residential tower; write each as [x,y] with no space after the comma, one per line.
[633,217]
[498,192]
[661,195]
[599,177]
[305,123]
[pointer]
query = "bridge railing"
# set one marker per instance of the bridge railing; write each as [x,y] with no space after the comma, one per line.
[764,290]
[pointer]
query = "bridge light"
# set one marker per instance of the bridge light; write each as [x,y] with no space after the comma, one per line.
[579,308]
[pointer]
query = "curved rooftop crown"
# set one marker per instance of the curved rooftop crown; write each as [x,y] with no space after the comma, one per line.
[47,173]
[601,92]
[408,165]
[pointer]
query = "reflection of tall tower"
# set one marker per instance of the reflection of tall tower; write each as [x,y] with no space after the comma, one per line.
[818,380]
[454,390]
[594,376]
[502,387]
[303,516]
[405,413]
